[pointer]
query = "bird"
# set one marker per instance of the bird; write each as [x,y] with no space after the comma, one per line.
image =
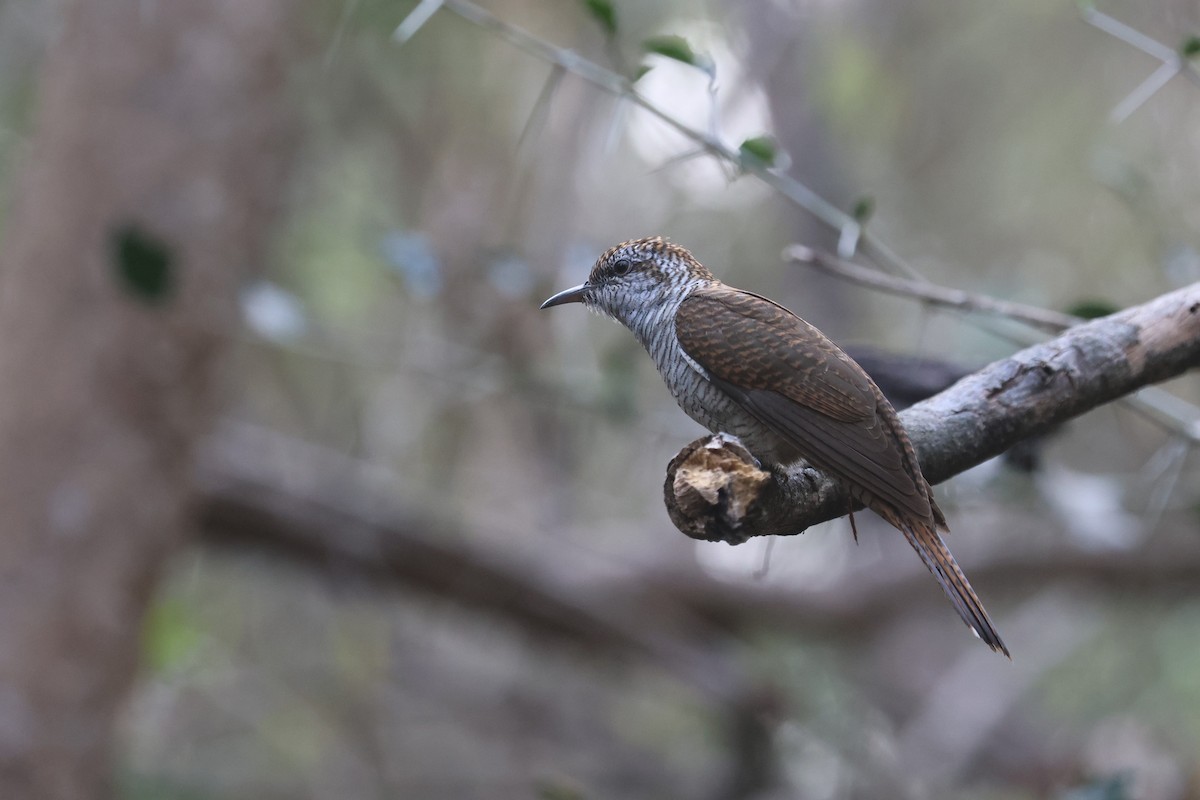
[741,364]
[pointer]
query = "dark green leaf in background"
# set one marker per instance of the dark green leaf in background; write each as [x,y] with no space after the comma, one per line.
[863,210]
[603,12]
[671,46]
[1092,308]
[143,264]
[1190,47]
[677,48]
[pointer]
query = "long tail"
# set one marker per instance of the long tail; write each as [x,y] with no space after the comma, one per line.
[933,551]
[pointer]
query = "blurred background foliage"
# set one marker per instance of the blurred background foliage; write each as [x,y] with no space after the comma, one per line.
[450,183]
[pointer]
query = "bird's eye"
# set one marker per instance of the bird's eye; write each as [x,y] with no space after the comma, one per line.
[622,267]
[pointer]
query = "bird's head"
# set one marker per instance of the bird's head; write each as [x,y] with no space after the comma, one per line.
[637,277]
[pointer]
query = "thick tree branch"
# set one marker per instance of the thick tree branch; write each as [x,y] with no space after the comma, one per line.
[714,490]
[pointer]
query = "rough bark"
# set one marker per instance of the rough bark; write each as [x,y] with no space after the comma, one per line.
[156,163]
[715,491]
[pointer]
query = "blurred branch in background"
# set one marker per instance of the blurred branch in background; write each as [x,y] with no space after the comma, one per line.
[315,508]
[1175,61]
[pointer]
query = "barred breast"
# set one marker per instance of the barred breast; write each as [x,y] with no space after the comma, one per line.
[699,398]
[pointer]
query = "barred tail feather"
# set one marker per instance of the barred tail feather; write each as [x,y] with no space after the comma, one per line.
[937,557]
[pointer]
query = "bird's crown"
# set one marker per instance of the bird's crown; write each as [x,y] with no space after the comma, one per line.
[654,257]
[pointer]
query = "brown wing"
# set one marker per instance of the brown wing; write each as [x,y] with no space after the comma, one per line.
[794,380]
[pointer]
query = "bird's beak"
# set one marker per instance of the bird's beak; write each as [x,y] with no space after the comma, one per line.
[572,295]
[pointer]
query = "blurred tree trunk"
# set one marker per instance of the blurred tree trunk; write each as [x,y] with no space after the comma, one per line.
[158,157]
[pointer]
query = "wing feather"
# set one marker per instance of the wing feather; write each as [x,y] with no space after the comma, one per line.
[794,380]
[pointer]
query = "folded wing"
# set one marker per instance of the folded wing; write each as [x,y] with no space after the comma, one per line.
[794,380]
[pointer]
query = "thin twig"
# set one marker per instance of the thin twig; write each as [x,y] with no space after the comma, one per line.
[1145,90]
[931,293]
[1131,36]
[339,33]
[1160,407]
[416,20]
[1171,458]
[1173,63]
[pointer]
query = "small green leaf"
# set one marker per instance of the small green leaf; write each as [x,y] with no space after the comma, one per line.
[1191,46]
[603,12]
[169,635]
[1092,309]
[641,72]
[143,263]
[863,210]
[761,149]
[678,49]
